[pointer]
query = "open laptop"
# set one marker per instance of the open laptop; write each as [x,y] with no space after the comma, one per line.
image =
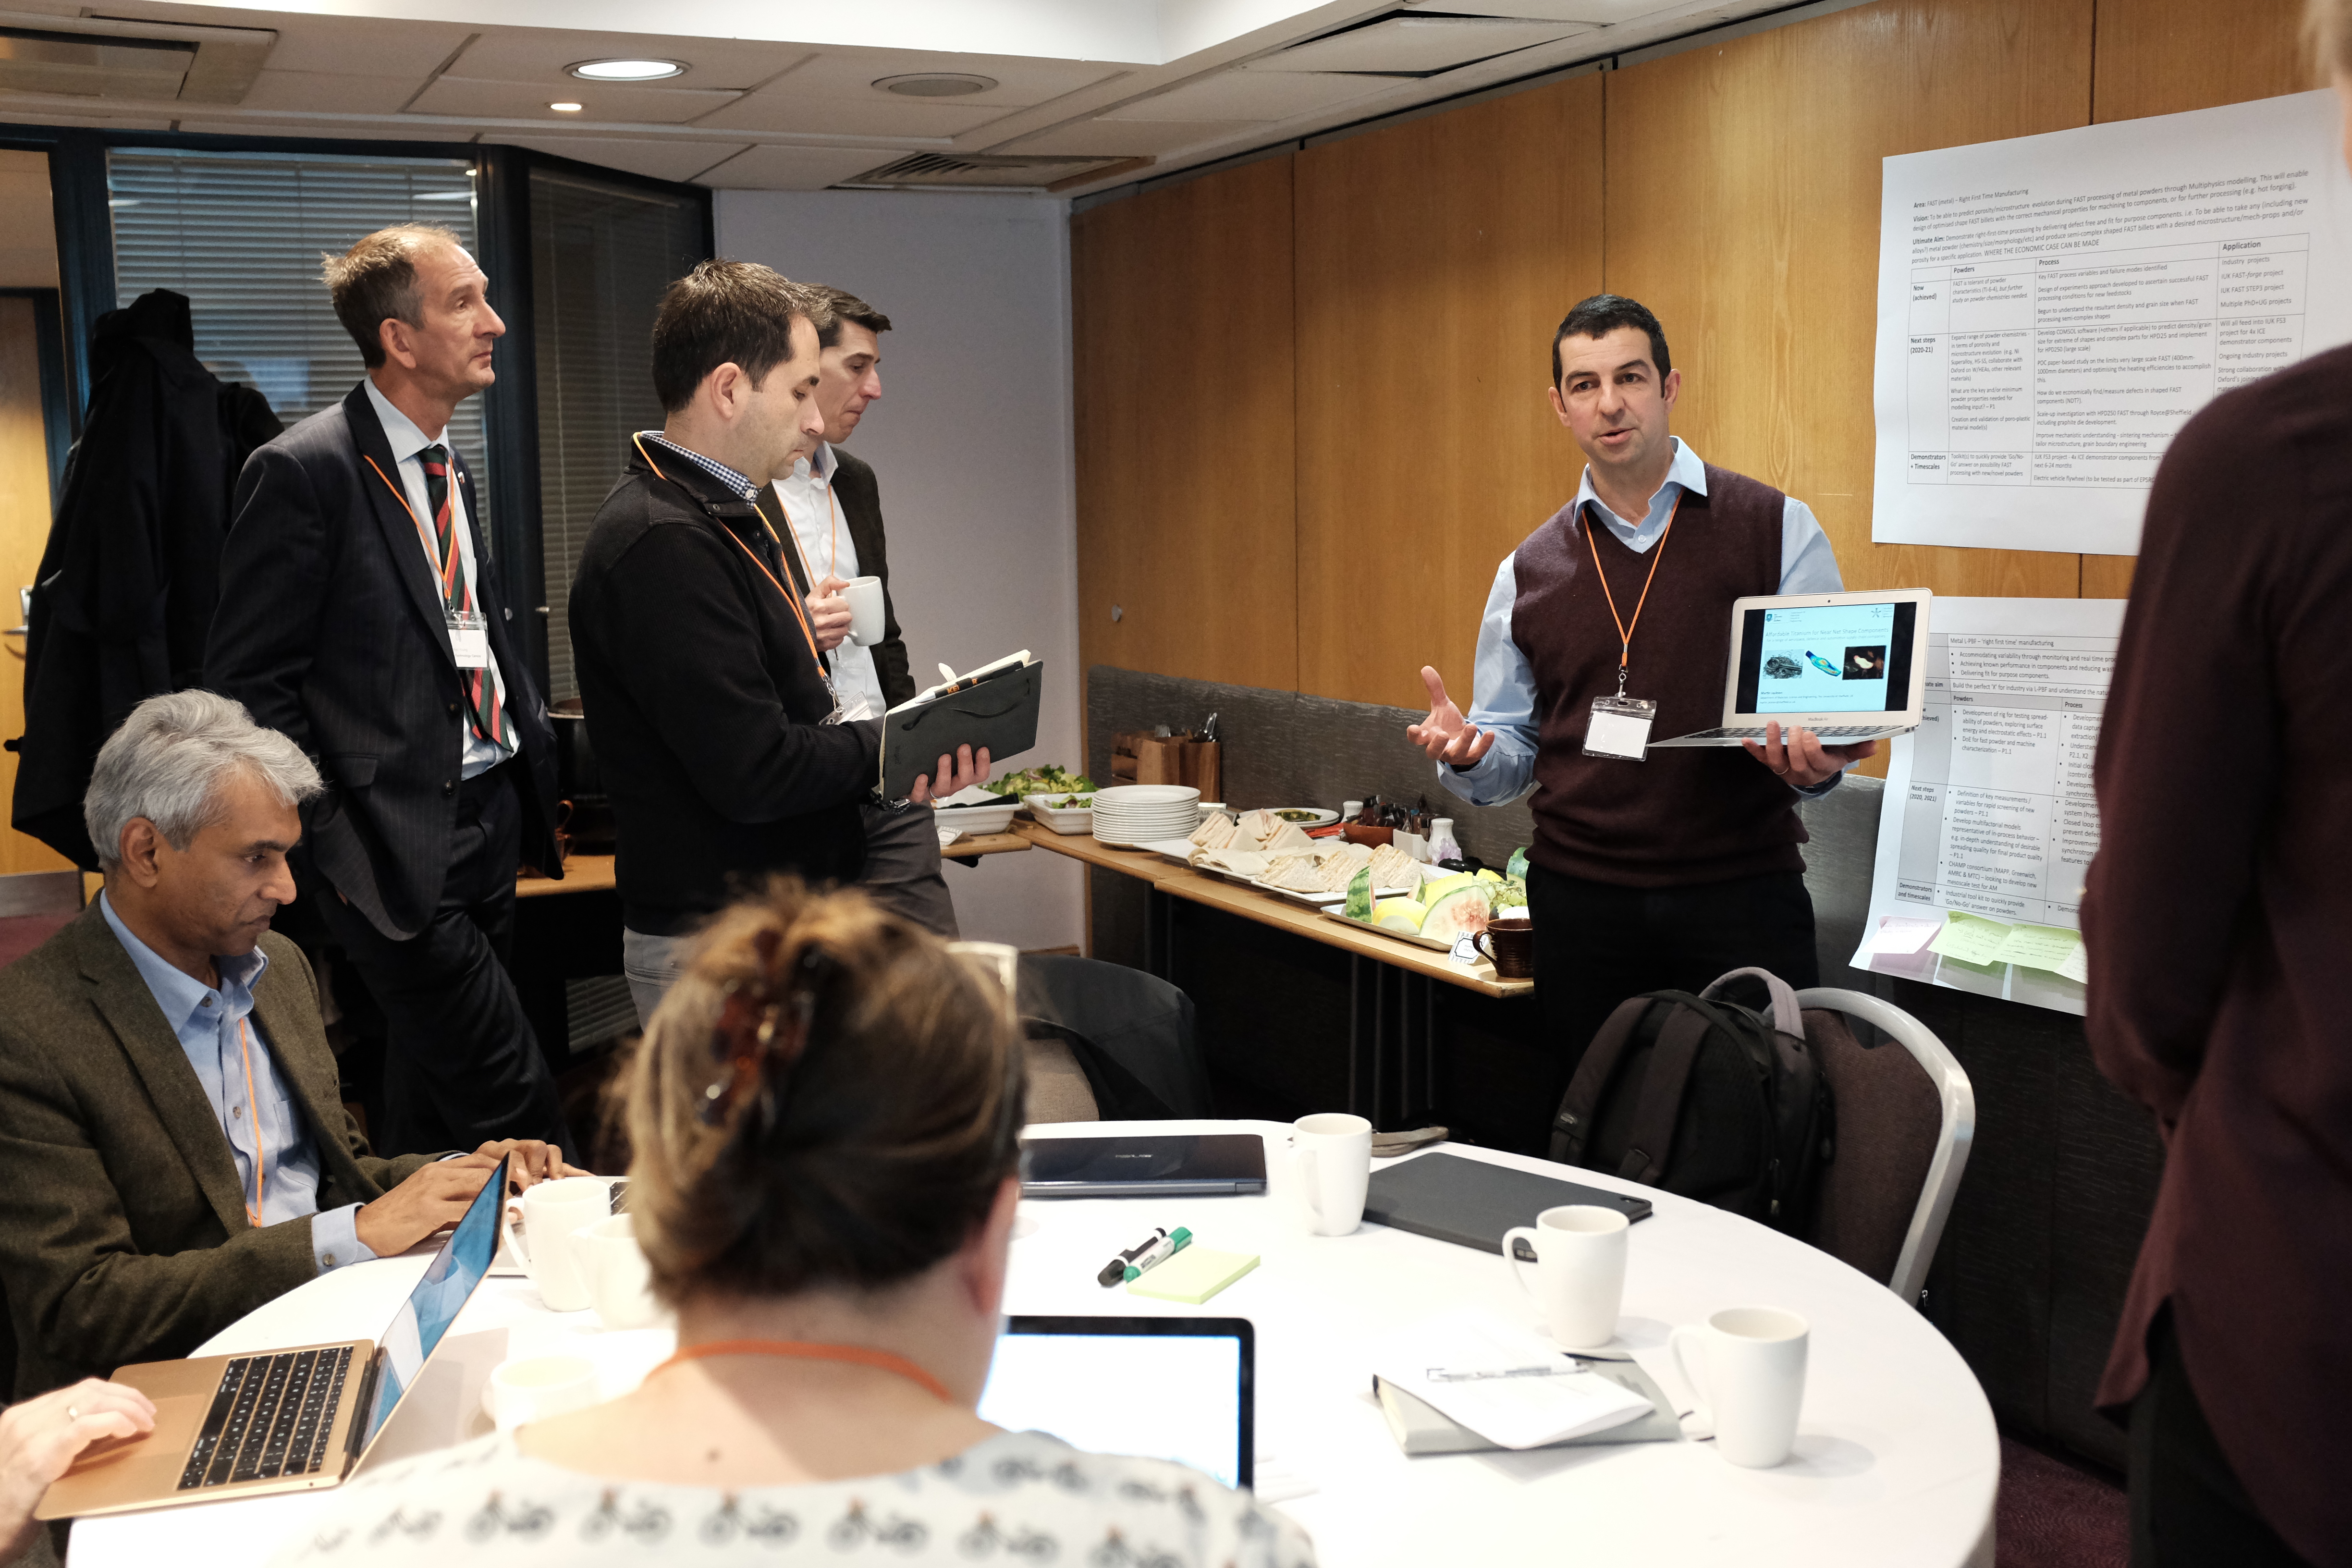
[1848,666]
[279,1421]
[1185,1388]
[1187,1164]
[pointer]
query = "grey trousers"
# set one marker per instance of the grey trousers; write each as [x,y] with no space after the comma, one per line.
[652,964]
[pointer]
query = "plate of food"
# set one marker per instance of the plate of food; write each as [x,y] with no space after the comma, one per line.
[1310,817]
[1063,813]
[1447,908]
[1320,877]
[1050,779]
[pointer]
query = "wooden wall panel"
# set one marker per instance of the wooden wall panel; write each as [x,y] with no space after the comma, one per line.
[1435,258]
[1183,339]
[2166,56]
[1743,202]
[23,532]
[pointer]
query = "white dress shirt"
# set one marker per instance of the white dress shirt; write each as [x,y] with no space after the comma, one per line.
[827,549]
[408,445]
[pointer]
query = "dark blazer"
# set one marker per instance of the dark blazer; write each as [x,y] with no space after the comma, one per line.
[331,629]
[2219,925]
[861,508]
[707,706]
[124,1234]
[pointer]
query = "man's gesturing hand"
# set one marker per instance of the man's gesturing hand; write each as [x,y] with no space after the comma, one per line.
[1445,735]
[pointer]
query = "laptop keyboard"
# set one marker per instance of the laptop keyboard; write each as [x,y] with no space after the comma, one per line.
[270,1417]
[1756,731]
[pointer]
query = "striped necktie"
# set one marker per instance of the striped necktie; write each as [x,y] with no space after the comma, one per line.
[458,593]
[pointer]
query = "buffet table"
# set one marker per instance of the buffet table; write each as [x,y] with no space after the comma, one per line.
[1896,1459]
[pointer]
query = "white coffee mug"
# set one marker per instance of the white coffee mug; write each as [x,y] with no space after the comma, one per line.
[865,596]
[1754,1381]
[533,1388]
[1334,1162]
[1579,1271]
[551,1211]
[618,1280]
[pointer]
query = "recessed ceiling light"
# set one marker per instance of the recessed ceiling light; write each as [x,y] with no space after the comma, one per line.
[564,108]
[936,84]
[626,71]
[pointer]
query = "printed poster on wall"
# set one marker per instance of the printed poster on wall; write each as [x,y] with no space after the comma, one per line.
[2052,308]
[1988,825]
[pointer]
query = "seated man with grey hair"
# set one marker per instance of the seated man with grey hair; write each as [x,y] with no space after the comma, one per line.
[173,1149]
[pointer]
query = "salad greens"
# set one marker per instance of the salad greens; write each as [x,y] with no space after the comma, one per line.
[1051,779]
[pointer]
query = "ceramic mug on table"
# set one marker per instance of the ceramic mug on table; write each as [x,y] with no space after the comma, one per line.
[551,1212]
[866,618]
[533,1388]
[1579,1271]
[1333,1159]
[614,1265]
[1511,944]
[1754,1381]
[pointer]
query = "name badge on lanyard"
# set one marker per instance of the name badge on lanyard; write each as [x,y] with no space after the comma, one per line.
[470,638]
[1620,726]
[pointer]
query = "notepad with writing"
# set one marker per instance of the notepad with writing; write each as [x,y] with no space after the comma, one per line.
[1193,1276]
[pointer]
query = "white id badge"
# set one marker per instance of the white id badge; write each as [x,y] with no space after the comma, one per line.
[469,639]
[1620,728]
[853,710]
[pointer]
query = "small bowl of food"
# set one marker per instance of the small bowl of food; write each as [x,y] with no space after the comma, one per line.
[1063,813]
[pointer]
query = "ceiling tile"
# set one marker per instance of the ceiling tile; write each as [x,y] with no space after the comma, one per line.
[1599,13]
[357,46]
[794,168]
[359,131]
[319,90]
[851,73]
[657,158]
[1252,95]
[529,101]
[1126,139]
[785,106]
[519,54]
[1414,44]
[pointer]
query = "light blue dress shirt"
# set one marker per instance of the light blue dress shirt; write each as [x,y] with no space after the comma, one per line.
[206,1021]
[1502,687]
[408,444]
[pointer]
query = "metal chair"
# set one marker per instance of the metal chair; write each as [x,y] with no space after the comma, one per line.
[1897,1131]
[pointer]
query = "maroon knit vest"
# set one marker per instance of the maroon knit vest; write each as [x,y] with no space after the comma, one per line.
[1690,815]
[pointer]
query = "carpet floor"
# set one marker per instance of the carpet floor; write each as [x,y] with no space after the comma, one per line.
[2054,1515]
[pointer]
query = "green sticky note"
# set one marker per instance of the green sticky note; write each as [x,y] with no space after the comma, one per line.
[2039,947]
[1193,1276]
[1971,938]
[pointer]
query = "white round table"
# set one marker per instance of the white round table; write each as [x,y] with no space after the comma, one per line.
[1896,1459]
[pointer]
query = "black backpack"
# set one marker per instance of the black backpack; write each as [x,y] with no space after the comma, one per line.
[1706,1097]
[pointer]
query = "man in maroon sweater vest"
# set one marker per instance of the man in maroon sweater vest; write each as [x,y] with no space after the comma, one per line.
[1668,870]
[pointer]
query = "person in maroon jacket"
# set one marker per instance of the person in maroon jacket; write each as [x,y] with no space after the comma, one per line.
[2219,924]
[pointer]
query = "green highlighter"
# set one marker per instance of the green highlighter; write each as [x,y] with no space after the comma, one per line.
[1175,1241]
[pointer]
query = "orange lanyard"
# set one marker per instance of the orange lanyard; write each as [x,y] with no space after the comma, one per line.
[253,1122]
[461,600]
[1624,630]
[788,597]
[857,1355]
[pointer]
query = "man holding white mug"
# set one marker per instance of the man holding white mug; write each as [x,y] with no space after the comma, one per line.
[826,503]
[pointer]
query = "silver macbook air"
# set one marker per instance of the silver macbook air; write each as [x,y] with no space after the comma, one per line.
[1848,666]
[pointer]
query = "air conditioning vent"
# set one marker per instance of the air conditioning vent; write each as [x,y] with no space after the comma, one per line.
[944,169]
[132,60]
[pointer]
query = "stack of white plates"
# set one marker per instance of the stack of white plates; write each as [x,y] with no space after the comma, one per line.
[1137,814]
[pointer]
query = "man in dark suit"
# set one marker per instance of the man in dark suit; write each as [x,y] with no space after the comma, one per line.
[173,1149]
[827,504]
[356,620]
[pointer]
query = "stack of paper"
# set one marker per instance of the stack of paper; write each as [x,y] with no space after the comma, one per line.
[1508,1385]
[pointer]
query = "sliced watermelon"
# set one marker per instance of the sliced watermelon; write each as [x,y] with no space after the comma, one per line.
[1466,908]
[1399,914]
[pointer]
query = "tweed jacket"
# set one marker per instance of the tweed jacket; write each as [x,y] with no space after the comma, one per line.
[123,1234]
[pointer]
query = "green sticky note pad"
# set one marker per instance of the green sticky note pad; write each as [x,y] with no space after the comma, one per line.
[1194,1275]
[2040,947]
[1971,938]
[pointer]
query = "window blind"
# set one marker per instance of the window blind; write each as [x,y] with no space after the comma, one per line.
[601,255]
[241,234]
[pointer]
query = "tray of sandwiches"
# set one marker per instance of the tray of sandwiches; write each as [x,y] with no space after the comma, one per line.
[1320,877]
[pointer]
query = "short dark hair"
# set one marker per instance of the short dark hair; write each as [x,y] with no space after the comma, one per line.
[1603,314]
[845,307]
[727,312]
[828,1097]
[376,281]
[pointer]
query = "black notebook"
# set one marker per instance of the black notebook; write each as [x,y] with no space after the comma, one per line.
[998,710]
[1471,1203]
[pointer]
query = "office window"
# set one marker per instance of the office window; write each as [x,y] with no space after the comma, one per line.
[240,233]
[602,253]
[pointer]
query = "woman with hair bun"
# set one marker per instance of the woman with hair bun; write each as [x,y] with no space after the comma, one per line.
[825,1113]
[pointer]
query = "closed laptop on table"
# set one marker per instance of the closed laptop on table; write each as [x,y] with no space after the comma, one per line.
[279,1421]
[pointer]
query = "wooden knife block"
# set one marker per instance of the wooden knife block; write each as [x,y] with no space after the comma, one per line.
[1139,757]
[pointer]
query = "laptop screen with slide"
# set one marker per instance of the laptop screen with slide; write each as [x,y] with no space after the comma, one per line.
[448,1283]
[1826,658]
[1157,1388]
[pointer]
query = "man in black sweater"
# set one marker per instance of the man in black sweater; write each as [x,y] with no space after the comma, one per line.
[715,716]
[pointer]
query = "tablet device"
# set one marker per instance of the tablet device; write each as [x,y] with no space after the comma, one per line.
[1191,1165]
[1158,1388]
[1471,1203]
